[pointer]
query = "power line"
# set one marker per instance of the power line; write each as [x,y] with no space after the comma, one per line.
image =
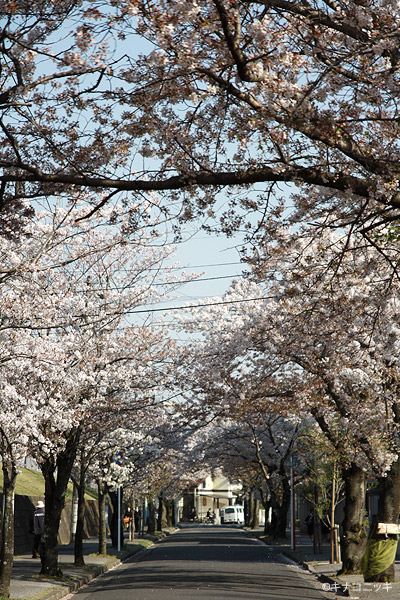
[151,310]
[200,279]
[214,265]
[165,283]
[196,266]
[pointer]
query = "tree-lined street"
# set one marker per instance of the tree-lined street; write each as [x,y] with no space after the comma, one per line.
[210,563]
[124,125]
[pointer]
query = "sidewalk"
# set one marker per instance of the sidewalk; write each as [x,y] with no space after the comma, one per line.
[26,583]
[344,585]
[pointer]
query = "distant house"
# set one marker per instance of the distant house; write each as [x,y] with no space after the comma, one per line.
[212,493]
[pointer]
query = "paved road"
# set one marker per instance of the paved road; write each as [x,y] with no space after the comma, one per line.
[211,563]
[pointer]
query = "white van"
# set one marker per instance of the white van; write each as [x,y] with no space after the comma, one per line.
[232,514]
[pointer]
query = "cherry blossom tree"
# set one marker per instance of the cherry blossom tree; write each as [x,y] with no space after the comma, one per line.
[235,397]
[259,448]
[68,346]
[111,448]
[348,320]
[169,461]
[19,408]
[122,458]
[320,484]
[111,453]
[324,333]
[15,420]
[112,370]
[192,98]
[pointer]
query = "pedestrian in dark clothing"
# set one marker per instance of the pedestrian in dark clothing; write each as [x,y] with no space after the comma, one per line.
[37,526]
[325,527]
[128,517]
[136,519]
[310,523]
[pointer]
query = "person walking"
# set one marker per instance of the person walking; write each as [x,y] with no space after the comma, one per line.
[37,526]
[127,517]
[136,519]
[310,523]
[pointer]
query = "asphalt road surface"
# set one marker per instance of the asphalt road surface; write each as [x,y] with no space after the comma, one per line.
[208,563]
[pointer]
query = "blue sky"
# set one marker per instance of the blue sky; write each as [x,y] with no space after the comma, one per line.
[214,258]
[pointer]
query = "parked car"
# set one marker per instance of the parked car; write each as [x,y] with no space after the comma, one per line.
[232,514]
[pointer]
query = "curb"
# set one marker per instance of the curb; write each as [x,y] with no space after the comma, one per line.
[342,590]
[62,589]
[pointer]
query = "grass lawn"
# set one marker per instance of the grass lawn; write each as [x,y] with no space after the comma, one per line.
[31,483]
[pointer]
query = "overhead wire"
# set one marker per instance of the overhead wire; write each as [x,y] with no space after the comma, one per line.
[165,309]
[197,266]
[201,279]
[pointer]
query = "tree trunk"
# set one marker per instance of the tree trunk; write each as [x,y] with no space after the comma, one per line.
[151,521]
[266,503]
[102,489]
[251,509]
[7,532]
[353,541]
[164,514]
[55,489]
[274,516]
[170,516]
[255,511]
[283,507]
[317,538]
[80,523]
[247,510]
[161,513]
[388,512]
[277,526]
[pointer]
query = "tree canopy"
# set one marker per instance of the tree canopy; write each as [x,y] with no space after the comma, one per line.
[184,99]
